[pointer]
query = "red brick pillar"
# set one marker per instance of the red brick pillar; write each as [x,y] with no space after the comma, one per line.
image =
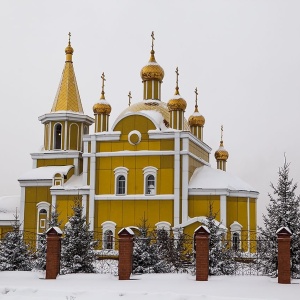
[284,255]
[202,253]
[125,253]
[53,252]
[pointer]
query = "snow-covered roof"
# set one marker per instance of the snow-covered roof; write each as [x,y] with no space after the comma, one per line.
[203,220]
[45,173]
[75,182]
[207,178]
[9,206]
[284,228]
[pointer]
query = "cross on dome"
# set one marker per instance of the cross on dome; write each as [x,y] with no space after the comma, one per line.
[129,98]
[102,92]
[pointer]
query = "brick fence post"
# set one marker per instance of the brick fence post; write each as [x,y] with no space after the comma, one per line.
[201,236]
[53,252]
[125,253]
[284,255]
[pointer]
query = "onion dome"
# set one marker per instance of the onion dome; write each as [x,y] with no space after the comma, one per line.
[196,119]
[69,49]
[102,106]
[177,102]
[152,71]
[221,153]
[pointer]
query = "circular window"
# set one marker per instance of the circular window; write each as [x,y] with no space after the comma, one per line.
[134,137]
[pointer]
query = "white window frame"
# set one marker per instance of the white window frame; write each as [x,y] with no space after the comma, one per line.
[54,136]
[120,171]
[42,205]
[147,171]
[163,225]
[108,225]
[236,228]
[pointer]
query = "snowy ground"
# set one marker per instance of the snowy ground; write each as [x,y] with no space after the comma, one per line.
[31,285]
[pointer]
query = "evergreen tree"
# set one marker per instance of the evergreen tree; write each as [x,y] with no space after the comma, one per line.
[14,252]
[282,211]
[77,255]
[40,254]
[145,255]
[221,258]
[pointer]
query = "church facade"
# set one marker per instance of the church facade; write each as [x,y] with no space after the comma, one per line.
[150,163]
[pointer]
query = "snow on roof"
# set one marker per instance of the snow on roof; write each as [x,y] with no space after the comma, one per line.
[57,229]
[44,173]
[155,116]
[204,227]
[9,206]
[208,178]
[75,182]
[284,228]
[203,220]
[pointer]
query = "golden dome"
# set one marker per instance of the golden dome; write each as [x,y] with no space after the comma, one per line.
[177,103]
[152,70]
[196,119]
[221,153]
[69,49]
[102,107]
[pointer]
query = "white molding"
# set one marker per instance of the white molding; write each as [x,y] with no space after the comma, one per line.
[176,178]
[163,225]
[103,136]
[43,182]
[130,153]
[84,204]
[53,154]
[66,135]
[53,201]
[22,208]
[134,197]
[73,192]
[70,116]
[42,205]
[121,171]
[92,183]
[223,209]
[185,179]
[108,225]
[227,192]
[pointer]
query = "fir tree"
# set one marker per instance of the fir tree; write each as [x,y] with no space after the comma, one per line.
[221,259]
[77,255]
[40,254]
[282,211]
[14,252]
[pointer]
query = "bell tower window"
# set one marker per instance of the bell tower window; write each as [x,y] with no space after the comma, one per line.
[57,136]
[150,175]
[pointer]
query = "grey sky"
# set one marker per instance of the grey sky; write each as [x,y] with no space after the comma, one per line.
[244,57]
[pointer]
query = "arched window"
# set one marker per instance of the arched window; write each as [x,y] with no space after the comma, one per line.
[235,241]
[42,216]
[121,185]
[73,137]
[108,240]
[150,175]
[57,136]
[121,181]
[150,185]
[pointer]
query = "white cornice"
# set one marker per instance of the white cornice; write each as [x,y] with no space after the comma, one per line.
[129,153]
[73,192]
[104,136]
[135,197]
[56,154]
[34,182]
[226,192]
[66,115]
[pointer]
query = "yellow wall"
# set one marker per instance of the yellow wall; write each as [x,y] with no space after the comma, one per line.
[199,205]
[131,212]
[55,162]
[4,230]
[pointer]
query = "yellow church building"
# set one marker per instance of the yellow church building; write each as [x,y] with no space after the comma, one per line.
[151,163]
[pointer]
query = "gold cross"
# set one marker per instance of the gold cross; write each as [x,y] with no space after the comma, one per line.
[103,79]
[177,88]
[221,132]
[129,98]
[153,39]
[196,92]
[69,34]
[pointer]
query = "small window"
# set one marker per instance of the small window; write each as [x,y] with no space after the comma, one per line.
[108,240]
[121,185]
[150,185]
[42,223]
[57,136]
[235,241]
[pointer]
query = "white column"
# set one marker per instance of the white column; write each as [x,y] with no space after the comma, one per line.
[85,163]
[223,210]
[34,163]
[84,204]
[176,177]
[92,182]
[53,201]
[76,166]
[66,134]
[248,222]
[22,208]
[185,179]
[50,136]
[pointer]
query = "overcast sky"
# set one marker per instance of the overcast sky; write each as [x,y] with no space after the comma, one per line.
[244,57]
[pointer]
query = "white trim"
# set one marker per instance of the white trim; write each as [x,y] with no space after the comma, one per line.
[131,153]
[108,225]
[43,182]
[185,179]
[63,115]
[223,209]
[85,163]
[92,183]
[104,136]
[55,154]
[42,205]
[84,204]
[120,171]
[61,191]
[137,133]
[76,166]
[77,144]
[248,221]
[176,178]
[152,90]
[147,171]
[22,208]
[66,134]
[50,136]
[53,201]
[134,197]
[54,136]
[34,164]
[227,192]
[163,225]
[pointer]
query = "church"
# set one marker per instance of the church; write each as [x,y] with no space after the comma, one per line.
[150,163]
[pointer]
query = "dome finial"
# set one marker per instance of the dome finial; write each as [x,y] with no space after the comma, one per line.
[177,87]
[69,50]
[69,34]
[102,92]
[129,98]
[153,39]
[196,100]
[221,142]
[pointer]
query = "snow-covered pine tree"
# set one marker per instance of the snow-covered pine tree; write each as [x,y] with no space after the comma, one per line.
[145,254]
[40,254]
[14,252]
[77,255]
[283,210]
[221,259]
